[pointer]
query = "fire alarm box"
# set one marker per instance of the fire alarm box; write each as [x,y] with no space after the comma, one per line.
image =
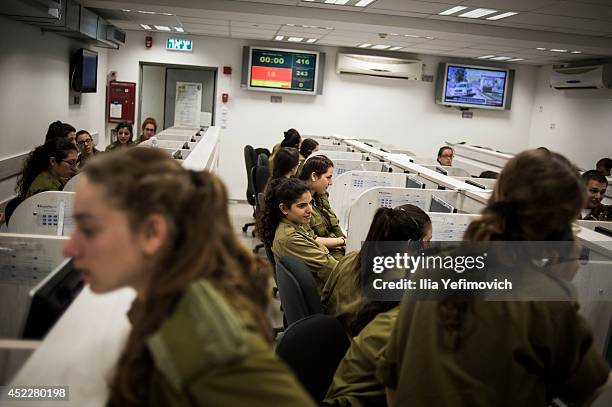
[121,101]
[224,97]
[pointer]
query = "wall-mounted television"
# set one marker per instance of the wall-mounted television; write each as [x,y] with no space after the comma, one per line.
[84,71]
[283,70]
[474,86]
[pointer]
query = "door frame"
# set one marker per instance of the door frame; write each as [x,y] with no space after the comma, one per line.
[213,69]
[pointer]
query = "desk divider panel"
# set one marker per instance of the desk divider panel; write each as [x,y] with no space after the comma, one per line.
[72,183]
[339,155]
[333,147]
[46,213]
[362,211]
[341,166]
[450,171]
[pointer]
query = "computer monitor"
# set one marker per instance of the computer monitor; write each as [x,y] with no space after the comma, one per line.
[442,171]
[50,298]
[603,230]
[413,183]
[476,184]
[438,205]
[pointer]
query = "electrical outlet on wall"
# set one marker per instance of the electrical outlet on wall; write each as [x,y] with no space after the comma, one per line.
[553,126]
[540,109]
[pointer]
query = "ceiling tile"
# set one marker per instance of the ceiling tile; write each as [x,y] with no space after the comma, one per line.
[257,25]
[579,10]
[422,7]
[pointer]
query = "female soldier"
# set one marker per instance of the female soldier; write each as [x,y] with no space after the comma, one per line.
[47,168]
[445,156]
[87,147]
[148,128]
[124,136]
[355,382]
[280,225]
[292,139]
[502,353]
[200,335]
[286,163]
[57,129]
[308,147]
[317,173]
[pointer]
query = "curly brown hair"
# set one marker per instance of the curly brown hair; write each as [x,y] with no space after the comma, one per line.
[201,244]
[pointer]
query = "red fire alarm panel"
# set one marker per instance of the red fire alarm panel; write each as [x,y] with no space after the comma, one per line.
[227,70]
[121,101]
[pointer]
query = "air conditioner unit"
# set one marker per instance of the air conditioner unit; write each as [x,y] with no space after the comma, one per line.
[582,77]
[386,67]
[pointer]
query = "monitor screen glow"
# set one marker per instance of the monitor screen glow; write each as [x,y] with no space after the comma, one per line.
[472,86]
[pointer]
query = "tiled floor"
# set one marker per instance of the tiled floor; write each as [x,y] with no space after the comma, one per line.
[240,214]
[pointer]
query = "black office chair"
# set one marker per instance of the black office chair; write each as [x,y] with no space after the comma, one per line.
[263,160]
[250,160]
[313,348]
[297,289]
[259,179]
[10,208]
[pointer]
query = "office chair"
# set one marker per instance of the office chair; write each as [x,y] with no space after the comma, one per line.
[313,348]
[10,208]
[297,289]
[259,179]
[250,159]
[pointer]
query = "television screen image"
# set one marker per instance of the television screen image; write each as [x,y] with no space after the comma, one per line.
[283,70]
[475,86]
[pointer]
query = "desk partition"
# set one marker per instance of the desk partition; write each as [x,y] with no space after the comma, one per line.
[46,213]
[334,147]
[339,155]
[341,166]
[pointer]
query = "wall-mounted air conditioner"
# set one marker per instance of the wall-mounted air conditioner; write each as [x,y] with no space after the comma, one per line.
[582,77]
[386,67]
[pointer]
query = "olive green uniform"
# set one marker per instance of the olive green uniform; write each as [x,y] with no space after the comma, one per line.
[341,297]
[294,240]
[116,145]
[205,354]
[45,181]
[355,383]
[510,353]
[324,222]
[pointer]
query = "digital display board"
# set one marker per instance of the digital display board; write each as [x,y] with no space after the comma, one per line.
[283,70]
[472,86]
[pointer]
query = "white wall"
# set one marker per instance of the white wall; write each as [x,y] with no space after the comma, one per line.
[34,82]
[577,124]
[396,112]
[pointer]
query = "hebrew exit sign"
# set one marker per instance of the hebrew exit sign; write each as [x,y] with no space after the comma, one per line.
[179,44]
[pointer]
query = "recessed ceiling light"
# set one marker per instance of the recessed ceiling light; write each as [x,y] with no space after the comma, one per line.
[479,12]
[576,52]
[486,57]
[557,50]
[146,12]
[290,25]
[430,38]
[395,48]
[279,37]
[500,58]
[412,36]
[363,3]
[162,28]
[516,59]
[341,2]
[127,11]
[393,34]
[179,29]
[145,26]
[311,40]
[167,14]
[542,49]
[452,11]
[381,46]
[295,39]
[503,15]
[330,1]
[366,45]
[312,1]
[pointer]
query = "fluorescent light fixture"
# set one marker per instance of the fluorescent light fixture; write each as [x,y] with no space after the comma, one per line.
[146,12]
[363,3]
[311,1]
[290,25]
[452,11]
[279,37]
[430,38]
[145,26]
[395,48]
[341,2]
[295,39]
[486,57]
[542,49]
[557,50]
[127,11]
[479,12]
[179,29]
[503,15]
[393,34]
[516,59]
[381,46]
[330,1]
[167,14]
[576,52]
[366,45]
[500,58]
[162,28]
[311,40]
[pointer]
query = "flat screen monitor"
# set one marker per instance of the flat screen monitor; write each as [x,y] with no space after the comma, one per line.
[50,299]
[438,205]
[283,70]
[474,87]
[603,230]
[474,183]
[84,71]
[413,183]
[442,171]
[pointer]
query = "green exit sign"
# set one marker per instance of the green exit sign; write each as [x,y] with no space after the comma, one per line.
[179,44]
